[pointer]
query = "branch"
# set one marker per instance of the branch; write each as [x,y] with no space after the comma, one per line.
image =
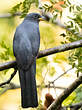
[60,76]
[61,48]
[9,87]
[65,94]
[46,52]
[51,86]
[8,65]
[38,86]
[8,15]
[8,81]
[15,86]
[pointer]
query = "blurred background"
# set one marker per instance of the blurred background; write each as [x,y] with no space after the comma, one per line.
[48,68]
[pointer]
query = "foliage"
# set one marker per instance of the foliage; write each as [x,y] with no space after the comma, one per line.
[75,97]
[69,100]
[5,55]
[23,7]
[78,94]
[73,33]
[75,26]
[6,39]
[75,56]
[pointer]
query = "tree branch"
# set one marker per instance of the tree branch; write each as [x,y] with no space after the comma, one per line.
[8,81]
[61,48]
[45,86]
[14,86]
[65,94]
[51,86]
[46,52]
[51,82]
[8,65]
[9,15]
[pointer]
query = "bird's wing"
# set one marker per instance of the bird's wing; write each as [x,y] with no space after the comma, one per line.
[22,50]
[33,34]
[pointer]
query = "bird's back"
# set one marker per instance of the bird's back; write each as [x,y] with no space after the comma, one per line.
[28,32]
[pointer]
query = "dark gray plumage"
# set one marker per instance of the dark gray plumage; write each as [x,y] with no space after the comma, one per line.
[26,46]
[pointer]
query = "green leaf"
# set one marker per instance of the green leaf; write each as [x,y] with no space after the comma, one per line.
[68,2]
[52,1]
[46,5]
[63,34]
[56,10]
[55,16]
[62,42]
[69,99]
[64,6]
[15,8]
[78,8]
[76,28]
[70,17]
[70,9]
[71,24]
[60,14]
[40,7]
[36,2]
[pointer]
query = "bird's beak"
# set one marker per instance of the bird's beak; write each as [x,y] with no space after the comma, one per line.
[42,18]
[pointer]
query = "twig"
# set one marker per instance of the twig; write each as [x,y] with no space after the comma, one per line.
[14,86]
[65,94]
[51,86]
[8,87]
[60,76]
[8,81]
[9,15]
[46,86]
[46,52]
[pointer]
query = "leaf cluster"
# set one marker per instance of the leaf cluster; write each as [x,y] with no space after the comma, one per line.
[23,7]
[75,25]
[75,97]
[4,55]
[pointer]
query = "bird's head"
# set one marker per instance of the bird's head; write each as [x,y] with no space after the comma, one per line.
[35,17]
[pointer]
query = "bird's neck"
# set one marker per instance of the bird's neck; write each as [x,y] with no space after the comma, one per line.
[32,20]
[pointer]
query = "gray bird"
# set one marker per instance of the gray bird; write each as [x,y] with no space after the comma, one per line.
[26,44]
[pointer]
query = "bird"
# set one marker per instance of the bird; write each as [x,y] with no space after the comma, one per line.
[26,43]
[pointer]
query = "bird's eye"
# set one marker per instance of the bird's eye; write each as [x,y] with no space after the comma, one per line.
[35,17]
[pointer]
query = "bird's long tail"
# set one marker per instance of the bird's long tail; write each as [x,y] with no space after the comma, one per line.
[28,87]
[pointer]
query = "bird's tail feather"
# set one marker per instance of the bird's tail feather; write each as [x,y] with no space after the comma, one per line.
[28,87]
